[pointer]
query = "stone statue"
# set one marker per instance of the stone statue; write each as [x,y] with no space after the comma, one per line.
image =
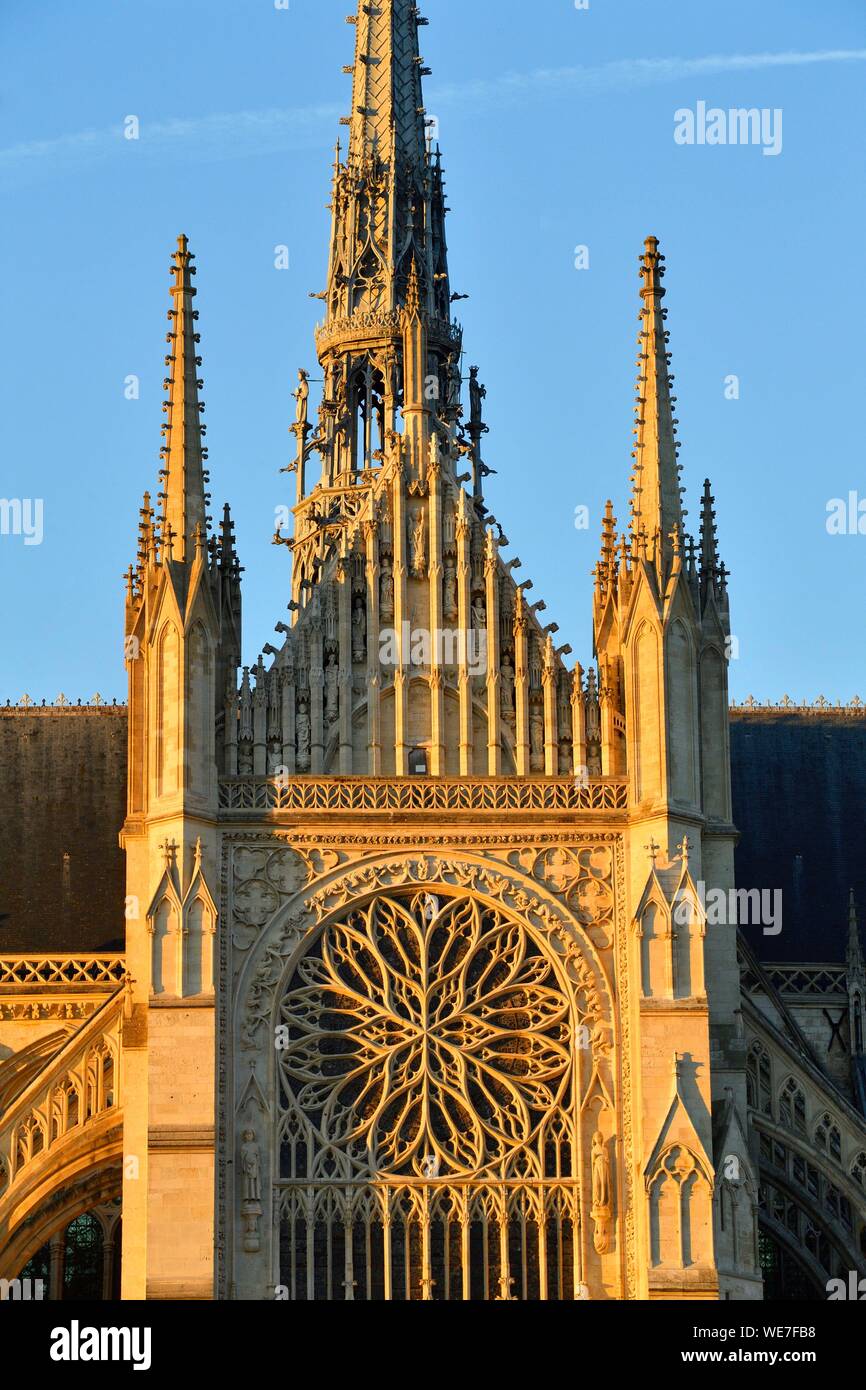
[477,396]
[454,382]
[602,1193]
[359,631]
[251,1167]
[417,544]
[302,396]
[332,699]
[303,731]
[536,736]
[479,615]
[506,688]
[449,595]
[386,592]
[600,1172]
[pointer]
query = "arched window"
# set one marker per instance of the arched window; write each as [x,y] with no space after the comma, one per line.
[827,1137]
[82,1275]
[759,1080]
[392,1151]
[858,1168]
[792,1107]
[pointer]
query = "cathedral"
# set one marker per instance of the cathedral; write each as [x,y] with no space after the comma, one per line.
[420,960]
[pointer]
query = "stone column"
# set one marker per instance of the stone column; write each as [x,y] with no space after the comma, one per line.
[345,663]
[437,702]
[465,621]
[551,742]
[578,723]
[401,616]
[521,687]
[491,577]
[374,679]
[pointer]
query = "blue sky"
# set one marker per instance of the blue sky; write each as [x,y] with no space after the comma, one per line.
[557,130]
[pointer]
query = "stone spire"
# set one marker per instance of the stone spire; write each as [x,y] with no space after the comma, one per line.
[656,507]
[184,503]
[388,197]
[387,109]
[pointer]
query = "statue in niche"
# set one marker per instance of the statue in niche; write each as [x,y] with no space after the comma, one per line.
[251,1167]
[332,698]
[417,544]
[602,1193]
[359,631]
[536,737]
[302,397]
[506,688]
[386,592]
[592,721]
[479,614]
[449,595]
[454,382]
[303,732]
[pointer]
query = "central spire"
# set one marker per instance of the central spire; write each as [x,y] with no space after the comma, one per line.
[388,204]
[387,108]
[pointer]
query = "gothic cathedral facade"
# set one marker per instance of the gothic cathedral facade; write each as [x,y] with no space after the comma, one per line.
[419,997]
[421,986]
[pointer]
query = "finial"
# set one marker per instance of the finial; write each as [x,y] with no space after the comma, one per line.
[413,290]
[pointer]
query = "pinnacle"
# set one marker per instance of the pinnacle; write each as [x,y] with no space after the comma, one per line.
[656,502]
[183,452]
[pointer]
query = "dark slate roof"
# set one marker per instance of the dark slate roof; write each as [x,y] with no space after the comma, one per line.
[799,787]
[799,791]
[62,791]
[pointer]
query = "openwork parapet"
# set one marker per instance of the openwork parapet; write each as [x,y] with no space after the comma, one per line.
[408,795]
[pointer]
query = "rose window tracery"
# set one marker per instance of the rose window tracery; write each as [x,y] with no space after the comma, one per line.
[425,1036]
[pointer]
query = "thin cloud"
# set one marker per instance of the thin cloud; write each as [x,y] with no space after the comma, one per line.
[639,72]
[243,134]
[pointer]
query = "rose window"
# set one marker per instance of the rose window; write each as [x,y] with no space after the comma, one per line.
[424,1037]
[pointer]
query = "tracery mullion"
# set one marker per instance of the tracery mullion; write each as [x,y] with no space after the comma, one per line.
[485,1236]
[580,1177]
[560,1272]
[426,1264]
[348,1247]
[385,1198]
[311,1244]
[465,1247]
[504,1252]
[543,1289]
[577,1235]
